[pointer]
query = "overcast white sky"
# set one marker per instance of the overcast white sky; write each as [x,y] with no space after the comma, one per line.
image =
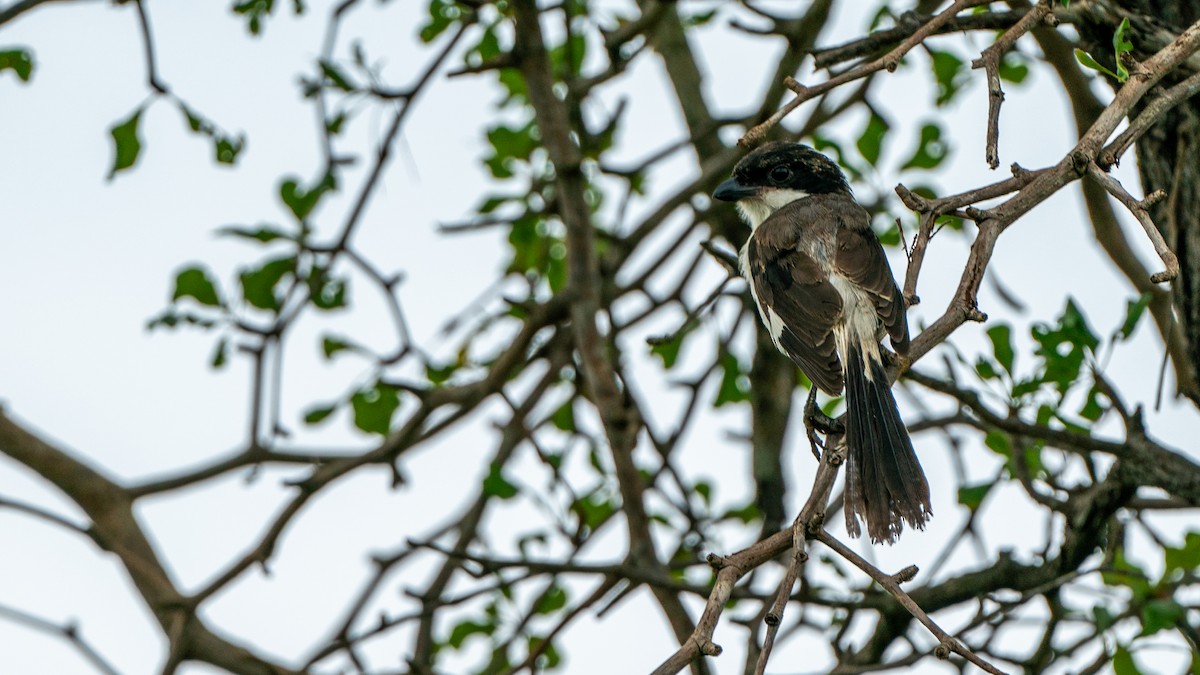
[85,262]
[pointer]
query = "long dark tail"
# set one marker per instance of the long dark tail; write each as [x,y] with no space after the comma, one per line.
[884,481]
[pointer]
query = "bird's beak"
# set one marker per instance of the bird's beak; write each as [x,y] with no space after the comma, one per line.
[731,191]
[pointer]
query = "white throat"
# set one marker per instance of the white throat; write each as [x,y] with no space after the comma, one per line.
[755,210]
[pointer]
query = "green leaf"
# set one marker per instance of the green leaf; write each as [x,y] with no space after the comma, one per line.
[870,141]
[1103,618]
[1123,663]
[441,14]
[465,629]
[331,344]
[226,148]
[20,61]
[971,496]
[549,658]
[194,282]
[554,599]
[317,414]
[1124,573]
[126,144]
[374,407]
[735,385]
[1159,614]
[326,292]
[949,73]
[220,354]
[258,285]
[1013,68]
[254,11]
[1001,337]
[263,233]
[1121,46]
[985,369]
[930,152]
[564,418]
[336,77]
[302,201]
[668,349]
[496,485]
[1133,313]
[1088,62]
[1185,558]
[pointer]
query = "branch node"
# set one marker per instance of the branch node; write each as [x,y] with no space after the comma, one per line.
[773,619]
[973,314]
[912,300]
[717,562]
[976,214]
[710,648]
[905,575]
[944,650]
[1154,198]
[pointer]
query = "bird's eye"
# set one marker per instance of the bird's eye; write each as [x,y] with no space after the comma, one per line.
[780,174]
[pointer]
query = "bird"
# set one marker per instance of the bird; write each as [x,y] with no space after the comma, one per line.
[823,289]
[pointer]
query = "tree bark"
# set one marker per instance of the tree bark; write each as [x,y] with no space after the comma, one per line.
[1168,155]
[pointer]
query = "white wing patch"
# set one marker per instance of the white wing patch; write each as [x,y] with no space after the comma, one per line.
[770,319]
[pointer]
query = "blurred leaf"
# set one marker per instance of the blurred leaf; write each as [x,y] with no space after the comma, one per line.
[254,11]
[554,599]
[465,629]
[930,150]
[735,386]
[667,347]
[20,61]
[226,148]
[336,77]
[496,485]
[949,74]
[1064,346]
[1013,68]
[374,407]
[302,201]
[549,658]
[220,354]
[1134,309]
[194,282]
[262,233]
[1159,614]
[986,370]
[317,414]
[564,418]
[870,141]
[1121,46]
[1092,409]
[1001,337]
[971,496]
[170,318]
[442,13]
[593,509]
[1124,573]
[1102,618]
[1185,558]
[1123,663]
[331,344]
[326,292]
[440,374]
[258,285]
[126,144]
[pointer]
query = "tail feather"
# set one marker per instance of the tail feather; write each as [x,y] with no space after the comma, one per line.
[884,482]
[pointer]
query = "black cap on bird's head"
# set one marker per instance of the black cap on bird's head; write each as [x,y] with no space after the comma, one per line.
[782,165]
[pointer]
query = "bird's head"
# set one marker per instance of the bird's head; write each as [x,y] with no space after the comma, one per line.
[777,174]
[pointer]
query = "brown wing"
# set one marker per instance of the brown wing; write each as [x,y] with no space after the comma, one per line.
[792,290]
[860,259]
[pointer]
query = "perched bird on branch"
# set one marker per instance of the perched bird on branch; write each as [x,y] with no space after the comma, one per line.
[825,293]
